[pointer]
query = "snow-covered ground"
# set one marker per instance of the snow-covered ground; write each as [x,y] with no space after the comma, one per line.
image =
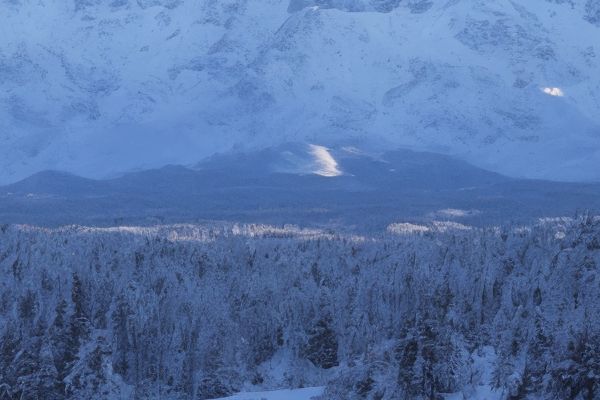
[481,388]
[284,394]
[482,365]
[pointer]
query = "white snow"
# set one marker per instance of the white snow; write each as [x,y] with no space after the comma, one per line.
[405,228]
[453,212]
[285,394]
[113,86]
[481,389]
[324,162]
[553,91]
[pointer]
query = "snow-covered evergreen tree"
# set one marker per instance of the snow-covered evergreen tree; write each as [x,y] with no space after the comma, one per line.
[194,312]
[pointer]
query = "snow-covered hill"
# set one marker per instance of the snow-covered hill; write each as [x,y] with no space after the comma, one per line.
[309,185]
[97,87]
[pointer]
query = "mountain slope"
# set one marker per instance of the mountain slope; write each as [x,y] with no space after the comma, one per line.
[97,87]
[287,184]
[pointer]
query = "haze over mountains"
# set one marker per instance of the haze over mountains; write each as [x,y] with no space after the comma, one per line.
[102,87]
[299,199]
[340,188]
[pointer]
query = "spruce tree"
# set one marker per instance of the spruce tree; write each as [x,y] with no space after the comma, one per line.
[322,346]
[120,319]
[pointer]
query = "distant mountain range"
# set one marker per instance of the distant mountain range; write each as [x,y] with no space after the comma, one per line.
[101,87]
[288,184]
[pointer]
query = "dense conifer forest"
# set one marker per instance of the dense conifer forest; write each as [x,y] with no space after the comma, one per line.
[201,312]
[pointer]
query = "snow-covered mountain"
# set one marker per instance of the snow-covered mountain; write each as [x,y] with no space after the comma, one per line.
[97,87]
[309,185]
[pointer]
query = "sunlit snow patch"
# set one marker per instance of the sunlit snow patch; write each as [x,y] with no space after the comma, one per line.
[455,213]
[405,228]
[325,164]
[449,226]
[553,91]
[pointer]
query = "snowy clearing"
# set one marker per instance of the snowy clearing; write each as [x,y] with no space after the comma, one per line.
[284,394]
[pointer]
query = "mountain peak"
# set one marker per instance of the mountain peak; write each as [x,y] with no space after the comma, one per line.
[102,87]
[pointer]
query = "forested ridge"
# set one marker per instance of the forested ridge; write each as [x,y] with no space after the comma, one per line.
[200,312]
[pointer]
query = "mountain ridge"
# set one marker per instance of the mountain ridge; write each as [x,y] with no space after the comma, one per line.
[370,192]
[99,88]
